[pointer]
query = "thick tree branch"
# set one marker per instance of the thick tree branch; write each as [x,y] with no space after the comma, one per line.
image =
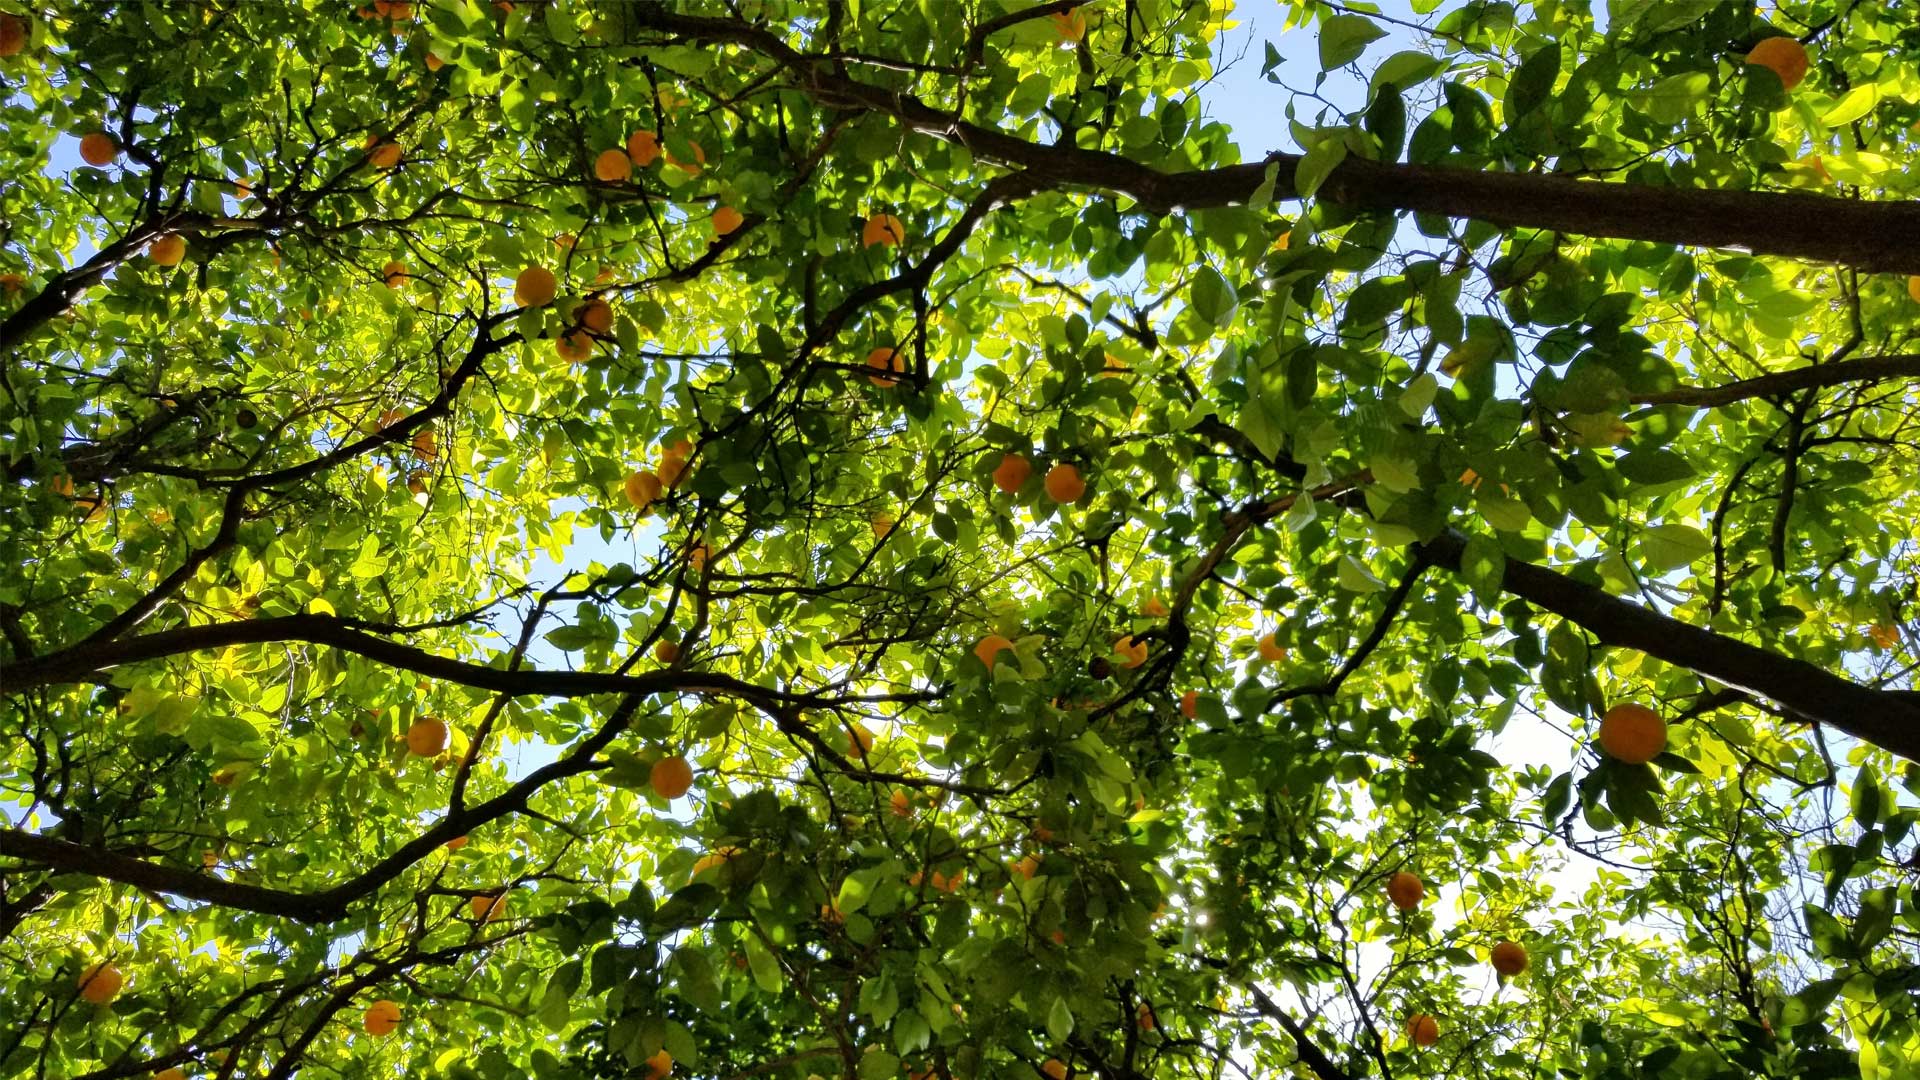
[1871,236]
[1811,377]
[1889,719]
[1310,1055]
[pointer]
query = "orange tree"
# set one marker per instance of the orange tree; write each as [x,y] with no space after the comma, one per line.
[1068,601]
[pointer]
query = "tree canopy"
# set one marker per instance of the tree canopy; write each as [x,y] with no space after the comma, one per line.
[1047,589]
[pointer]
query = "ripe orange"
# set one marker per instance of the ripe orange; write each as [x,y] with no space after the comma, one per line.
[1190,704]
[574,346]
[1632,733]
[1913,288]
[900,804]
[1144,1015]
[1422,1030]
[457,843]
[427,737]
[171,1073]
[1027,866]
[488,908]
[1784,57]
[424,448]
[385,156]
[718,857]
[1064,485]
[673,462]
[699,158]
[884,359]
[434,63]
[882,229]
[1155,608]
[666,651]
[382,1018]
[1884,636]
[596,315]
[13,34]
[1055,1068]
[642,489]
[861,739]
[167,250]
[12,283]
[698,556]
[643,148]
[534,287]
[1011,473]
[100,983]
[660,1066]
[988,650]
[1132,653]
[1271,650]
[1405,890]
[882,523]
[726,219]
[394,274]
[1509,958]
[98,149]
[612,167]
[671,777]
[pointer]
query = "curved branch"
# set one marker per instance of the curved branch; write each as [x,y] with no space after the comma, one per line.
[1811,377]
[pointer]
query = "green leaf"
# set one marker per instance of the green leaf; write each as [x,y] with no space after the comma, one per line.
[1859,102]
[1673,546]
[1059,1020]
[1317,164]
[1213,298]
[1344,37]
[1654,467]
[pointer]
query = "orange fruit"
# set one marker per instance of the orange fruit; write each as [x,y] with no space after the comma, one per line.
[167,250]
[457,843]
[1064,485]
[170,1073]
[1884,636]
[699,158]
[385,156]
[1913,288]
[884,359]
[1422,1030]
[726,219]
[882,523]
[673,464]
[1011,473]
[427,737]
[1070,25]
[434,63]
[596,315]
[988,650]
[1132,653]
[671,777]
[1155,608]
[423,445]
[612,167]
[574,346]
[698,556]
[394,274]
[1190,704]
[1055,1068]
[1784,57]
[1405,890]
[12,283]
[643,148]
[13,34]
[1271,650]
[882,229]
[1509,958]
[1144,1016]
[488,908]
[1632,733]
[1026,867]
[660,1066]
[666,651]
[861,739]
[382,1018]
[98,149]
[642,489]
[718,857]
[900,804]
[534,287]
[1115,367]
[100,983]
